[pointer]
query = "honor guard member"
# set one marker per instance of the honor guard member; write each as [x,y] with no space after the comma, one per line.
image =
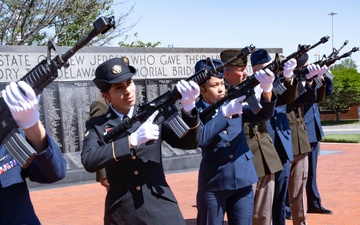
[266,159]
[48,165]
[315,133]
[300,143]
[138,192]
[280,133]
[236,71]
[227,171]
[99,107]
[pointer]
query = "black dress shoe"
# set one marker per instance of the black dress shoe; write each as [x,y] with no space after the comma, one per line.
[288,215]
[322,210]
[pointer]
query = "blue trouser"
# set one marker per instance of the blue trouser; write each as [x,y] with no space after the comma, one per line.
[238,205]
[312,192]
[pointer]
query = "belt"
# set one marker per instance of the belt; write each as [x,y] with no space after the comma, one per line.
[297,122]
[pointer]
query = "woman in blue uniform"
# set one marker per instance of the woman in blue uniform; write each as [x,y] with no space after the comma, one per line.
[48,165]
[227,172]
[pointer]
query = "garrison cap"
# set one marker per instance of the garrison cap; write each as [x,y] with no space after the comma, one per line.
[205,64]
[112,71]
[229,53]
[260,56]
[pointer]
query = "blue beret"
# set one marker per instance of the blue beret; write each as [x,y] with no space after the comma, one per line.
[112,71]
[204,64]
[260,56]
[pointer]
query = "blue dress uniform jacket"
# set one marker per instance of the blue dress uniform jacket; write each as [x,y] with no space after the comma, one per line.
[138,193]
[227,160]
[278,126]
[312,113]
[227,170]
[47,167]
[313,122]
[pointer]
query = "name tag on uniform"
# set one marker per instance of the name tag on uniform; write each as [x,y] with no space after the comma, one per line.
[8,166]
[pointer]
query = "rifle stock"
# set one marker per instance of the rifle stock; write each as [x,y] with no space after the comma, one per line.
[39,78]
[166,103]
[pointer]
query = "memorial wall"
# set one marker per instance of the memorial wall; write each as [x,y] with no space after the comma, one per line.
[65,103]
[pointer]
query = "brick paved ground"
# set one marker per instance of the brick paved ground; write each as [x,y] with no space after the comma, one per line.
[338,180]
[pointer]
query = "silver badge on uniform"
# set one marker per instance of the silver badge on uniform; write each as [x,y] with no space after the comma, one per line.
[116,69]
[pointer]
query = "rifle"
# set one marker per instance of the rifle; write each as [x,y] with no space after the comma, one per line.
[279,87]
[39,78]
[166,103]
[328,61]
[247,87]
[333,54]
[301,88]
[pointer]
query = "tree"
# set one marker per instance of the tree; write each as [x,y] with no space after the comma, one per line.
[35,22]
[346,63]
[346,90]
[137,43]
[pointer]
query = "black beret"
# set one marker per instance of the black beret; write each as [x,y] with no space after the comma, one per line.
[302,60]
[229,53]
[260,56]
[112,71]
[205,64]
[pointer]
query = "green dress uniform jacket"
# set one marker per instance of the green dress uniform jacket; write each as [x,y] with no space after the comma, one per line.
[295,116]
[266,159]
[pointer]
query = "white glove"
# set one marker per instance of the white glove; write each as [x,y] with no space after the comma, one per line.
[322,71]
[313,70]
[233,107]
[289,68]
[266,79]
[189,91]
[146,132]
[23,104]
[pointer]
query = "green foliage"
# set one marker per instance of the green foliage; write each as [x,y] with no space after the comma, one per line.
[342,138]
[70,23]
[346,90]
[36,22]
[137,43]
[346,63]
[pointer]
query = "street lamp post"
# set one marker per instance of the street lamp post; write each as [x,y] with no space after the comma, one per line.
[332,28]
[317,56]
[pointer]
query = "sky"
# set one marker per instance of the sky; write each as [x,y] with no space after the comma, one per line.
[237,24]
